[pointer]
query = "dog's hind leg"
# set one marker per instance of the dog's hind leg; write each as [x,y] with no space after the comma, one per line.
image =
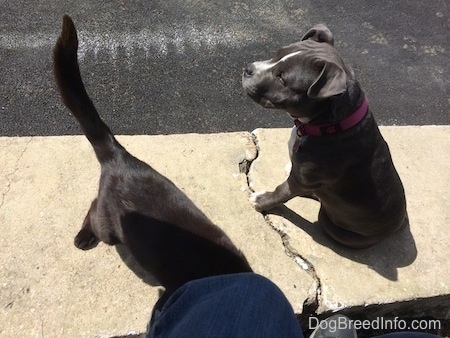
[346,237]
[86,239]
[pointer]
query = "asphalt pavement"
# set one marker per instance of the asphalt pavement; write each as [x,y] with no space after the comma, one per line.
[171,67]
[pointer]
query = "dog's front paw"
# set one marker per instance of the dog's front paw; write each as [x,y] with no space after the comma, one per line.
[85,239]
[256,199]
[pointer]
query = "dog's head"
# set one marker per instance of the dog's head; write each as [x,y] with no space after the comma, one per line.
[300,77]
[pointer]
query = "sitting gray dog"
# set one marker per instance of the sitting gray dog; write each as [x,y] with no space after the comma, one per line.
[337,152]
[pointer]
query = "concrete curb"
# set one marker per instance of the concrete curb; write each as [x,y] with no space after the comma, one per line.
[51,289]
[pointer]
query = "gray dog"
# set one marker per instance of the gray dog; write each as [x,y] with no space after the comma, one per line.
[337,152]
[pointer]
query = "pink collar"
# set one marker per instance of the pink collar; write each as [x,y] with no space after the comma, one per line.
[304,129]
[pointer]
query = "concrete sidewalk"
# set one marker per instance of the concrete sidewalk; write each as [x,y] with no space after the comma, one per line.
[51,289]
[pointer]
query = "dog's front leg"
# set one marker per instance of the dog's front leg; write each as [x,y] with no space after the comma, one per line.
[263,201]
[86,239]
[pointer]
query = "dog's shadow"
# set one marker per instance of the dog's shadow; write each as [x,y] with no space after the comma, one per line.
[385,258]
[135,267]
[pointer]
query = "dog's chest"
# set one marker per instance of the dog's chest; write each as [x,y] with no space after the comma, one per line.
[294,143]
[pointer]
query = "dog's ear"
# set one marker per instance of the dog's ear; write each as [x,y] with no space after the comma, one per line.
[319,33]
[332,81]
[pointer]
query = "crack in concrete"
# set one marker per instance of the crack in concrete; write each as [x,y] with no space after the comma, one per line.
[16,168]
[250,156]
[311,304]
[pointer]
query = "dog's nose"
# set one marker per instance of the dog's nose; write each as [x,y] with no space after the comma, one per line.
[249,70]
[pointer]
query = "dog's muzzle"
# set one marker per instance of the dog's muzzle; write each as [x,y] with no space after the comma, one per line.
[252,78]
[249,70]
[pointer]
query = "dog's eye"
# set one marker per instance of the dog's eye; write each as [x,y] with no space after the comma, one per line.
[280,79]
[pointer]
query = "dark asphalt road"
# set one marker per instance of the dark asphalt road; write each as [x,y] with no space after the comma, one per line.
[163,67]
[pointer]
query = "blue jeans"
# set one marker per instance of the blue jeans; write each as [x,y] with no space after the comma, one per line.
[240,305]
